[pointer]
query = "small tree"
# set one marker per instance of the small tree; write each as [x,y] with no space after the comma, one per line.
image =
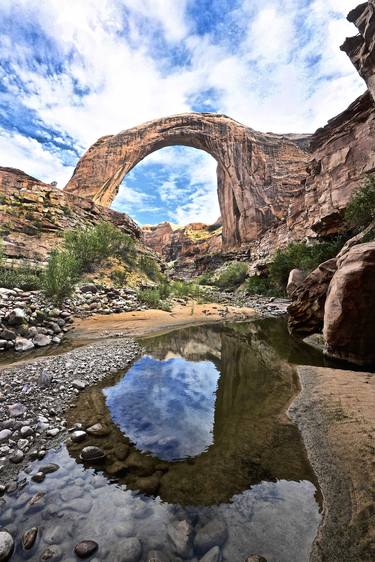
[60,275]
[361,209]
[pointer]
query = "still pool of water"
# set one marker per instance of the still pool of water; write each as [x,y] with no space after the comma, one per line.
[196,430]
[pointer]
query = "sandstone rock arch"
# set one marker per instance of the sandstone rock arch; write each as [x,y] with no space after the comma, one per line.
[258,174]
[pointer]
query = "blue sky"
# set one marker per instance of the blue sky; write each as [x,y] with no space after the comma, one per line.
[74,70]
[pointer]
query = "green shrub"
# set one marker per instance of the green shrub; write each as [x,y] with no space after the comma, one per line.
[149,266]
[92,245]
[302,256]
[232,276]
[25,278]
[361,209]
[164,289]
[262,286]
[119,277]
[60,275]
[153,299]
[205,279]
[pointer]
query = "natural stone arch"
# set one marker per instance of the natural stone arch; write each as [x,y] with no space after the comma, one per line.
[258,174]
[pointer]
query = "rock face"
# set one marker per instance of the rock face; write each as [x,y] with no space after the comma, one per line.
[183,242]
[361,48]
[306,313]
[349,316]
[34,215]
[258,174]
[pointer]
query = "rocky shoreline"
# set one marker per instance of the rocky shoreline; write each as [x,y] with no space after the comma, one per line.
[35,396]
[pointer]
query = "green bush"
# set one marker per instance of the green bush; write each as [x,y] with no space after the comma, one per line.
[262,286]
[232,276]
[60,275]
[205,279]
[153,299]
[149,266]
[119,277]
[361,209]
[25,278]
[92,245]
[302,256]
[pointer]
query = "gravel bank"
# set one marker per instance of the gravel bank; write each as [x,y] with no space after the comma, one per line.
[34,397]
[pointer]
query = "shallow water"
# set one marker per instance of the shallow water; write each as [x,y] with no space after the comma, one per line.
[196,430]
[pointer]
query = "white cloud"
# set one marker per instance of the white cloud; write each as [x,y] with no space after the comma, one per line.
[281,71]
[28,154]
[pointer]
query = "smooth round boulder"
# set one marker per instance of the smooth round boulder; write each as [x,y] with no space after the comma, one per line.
[213,555]
[6,545]
[84,549]
[214,533]
[92,454]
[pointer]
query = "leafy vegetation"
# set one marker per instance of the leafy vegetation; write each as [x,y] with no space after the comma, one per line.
[360,210]
[149,266]
[91,246]
[60,275]
[257,285]
[152,297]
[24,277]
[232,276]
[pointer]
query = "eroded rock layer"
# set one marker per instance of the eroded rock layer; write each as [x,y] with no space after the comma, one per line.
[361,48]
[34,215]
[259,174]
[195,239]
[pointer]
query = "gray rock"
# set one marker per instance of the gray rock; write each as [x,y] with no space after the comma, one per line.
[52,553]
[130,550]
[16,317]
[6,545]
[29,538]
[214,533]
[53,432]
[78,436]
[26,431]
[4,435]
[84,549]
[157,556]
[42,340]
[17,457]
[98,430]
[47,468]
[180,534]
[78,384]
[17,409]
[7,334]
[44,379]
[213,555]
[3,344]
[92,454]
[125,530]
[38,477]
[23,344]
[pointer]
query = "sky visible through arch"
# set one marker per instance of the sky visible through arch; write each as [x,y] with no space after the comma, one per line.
[74,70]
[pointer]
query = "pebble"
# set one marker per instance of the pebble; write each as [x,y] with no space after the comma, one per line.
[38,477]
[48,468]
[29,538]
[98,430]
[26,431]
[78,384]
[86,548]
[53,432]
[52,553]
[4,435]
[78,436]
[6,545]
[214,533]
[17,409]
[17,456]
[130,549]
[92,454]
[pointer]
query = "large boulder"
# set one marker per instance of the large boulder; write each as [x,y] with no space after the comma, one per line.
[296,276]
[349,315]
[306,312]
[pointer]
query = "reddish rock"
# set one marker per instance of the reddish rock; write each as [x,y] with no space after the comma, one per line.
[34,215]
[349,316]
[258,174]
[306,313]
[361,48]
[190,241]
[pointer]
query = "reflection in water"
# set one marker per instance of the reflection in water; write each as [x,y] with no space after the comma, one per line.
[215,398]
[166,407]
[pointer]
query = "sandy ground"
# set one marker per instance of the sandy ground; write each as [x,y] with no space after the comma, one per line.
[144,322]
[336,415]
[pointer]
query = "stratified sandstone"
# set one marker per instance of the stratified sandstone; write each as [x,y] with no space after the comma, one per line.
[34,215]
[349,315]
[306,313]
[259,174]
[361,48]
[190,241]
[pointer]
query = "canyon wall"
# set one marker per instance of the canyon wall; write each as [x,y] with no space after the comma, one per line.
[361,48]
[259,174]
[34,215]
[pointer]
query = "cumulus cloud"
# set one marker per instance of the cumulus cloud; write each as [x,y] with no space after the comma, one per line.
[71,74]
